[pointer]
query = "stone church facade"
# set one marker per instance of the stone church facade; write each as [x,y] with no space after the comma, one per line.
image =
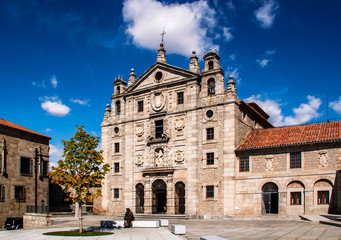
[173,138]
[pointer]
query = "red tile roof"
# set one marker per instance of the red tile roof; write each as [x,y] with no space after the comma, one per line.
[295,135]
[6,123]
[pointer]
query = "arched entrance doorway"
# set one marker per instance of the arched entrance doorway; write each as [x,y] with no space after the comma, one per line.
[139,198]
[270,198]
[159,188]
[180,198]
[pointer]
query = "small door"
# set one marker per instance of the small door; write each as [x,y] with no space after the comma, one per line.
[270,198]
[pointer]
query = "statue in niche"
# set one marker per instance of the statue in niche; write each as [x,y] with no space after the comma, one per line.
[159,157]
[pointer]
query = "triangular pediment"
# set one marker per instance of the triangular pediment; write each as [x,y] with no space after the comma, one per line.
[160,74]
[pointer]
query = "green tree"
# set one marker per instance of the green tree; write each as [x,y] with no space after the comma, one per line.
[81,171]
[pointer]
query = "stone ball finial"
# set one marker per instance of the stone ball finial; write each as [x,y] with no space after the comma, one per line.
[194,52]
[132,70]
[108,105]
[205,52]
[215,50]
[231,76]
[210,49]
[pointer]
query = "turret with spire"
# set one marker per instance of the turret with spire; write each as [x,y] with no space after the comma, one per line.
[161,55]
[194,64]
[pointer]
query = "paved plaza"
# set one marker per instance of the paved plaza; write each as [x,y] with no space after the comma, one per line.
[231,229]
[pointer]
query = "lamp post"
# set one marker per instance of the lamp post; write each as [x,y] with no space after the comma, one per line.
[42,206]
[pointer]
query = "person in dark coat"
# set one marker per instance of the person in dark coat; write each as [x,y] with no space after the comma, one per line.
[128,218]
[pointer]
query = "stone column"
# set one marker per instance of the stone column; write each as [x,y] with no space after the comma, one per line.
[170,195]
[147,196]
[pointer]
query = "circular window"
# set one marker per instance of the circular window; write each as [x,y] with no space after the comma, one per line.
[158,76]
[209,113]
[116,130]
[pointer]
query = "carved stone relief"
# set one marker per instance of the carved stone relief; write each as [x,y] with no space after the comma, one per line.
[139,129]
[179,123]
[269,163]
[159,157]
[158,101]
[179,156]
[323,159]
[139,159]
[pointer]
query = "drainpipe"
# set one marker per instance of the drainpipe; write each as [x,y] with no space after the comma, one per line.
[304,201]
[3,162]
[36,181]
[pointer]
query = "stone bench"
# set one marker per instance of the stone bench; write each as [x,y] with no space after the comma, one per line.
[138,224]
[164,222]
[178,229]
[212,238]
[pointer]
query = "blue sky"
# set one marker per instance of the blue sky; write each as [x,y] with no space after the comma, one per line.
[58,59]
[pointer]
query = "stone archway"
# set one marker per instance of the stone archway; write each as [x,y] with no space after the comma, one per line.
[139,198]
[270,198]
[159,202]
[180,198]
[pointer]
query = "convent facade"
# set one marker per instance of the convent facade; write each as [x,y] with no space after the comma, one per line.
[179,142]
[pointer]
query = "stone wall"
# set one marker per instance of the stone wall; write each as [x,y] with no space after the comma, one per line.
[36,220]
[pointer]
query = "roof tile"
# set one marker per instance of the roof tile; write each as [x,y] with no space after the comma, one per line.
[18,127]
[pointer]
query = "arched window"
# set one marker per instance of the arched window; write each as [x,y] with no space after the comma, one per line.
[118,90]
[118,107]
[211,86]
[210,65]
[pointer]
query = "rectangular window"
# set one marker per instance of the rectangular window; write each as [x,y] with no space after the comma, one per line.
[295,198]
[180,97]
[116,167]
[209,133]
[295,160]
[140,106]
[19,193]
[210,158]
[243,164]
[158,128]
[209,191]
[116,193]
[2,193]
[25,166]
[322,197]
[44,168]
[117,147]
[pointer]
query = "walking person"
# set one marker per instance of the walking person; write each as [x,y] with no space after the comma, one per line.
[128,218]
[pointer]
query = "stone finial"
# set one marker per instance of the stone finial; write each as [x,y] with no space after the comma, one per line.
[231,86]
[194,63]
[161,56]
[107,111]
[132,77]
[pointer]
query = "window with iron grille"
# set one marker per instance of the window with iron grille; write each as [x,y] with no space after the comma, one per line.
[20,193]
[209,191]
[117,147]
[25,166]
[209,133]
[158,128]
[180,97]
[243,164]
[2,193]
[116,167]
[210,158]
[295,198]
[116,193]
[140,106]
[295,160]
[44,167]
[322,197]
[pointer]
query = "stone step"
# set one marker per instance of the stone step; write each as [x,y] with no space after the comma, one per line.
[314,218]
[159,216]
[332,223]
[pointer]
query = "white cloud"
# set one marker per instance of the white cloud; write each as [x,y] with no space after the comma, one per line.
[232,57]
[227,34]
[81,102]
[186,25]
[48,130]
[266,58]
[53,81]
[39,84]
[54,106]
[55,155]
[266,14]
[234,71]
[336,105]
[303,114]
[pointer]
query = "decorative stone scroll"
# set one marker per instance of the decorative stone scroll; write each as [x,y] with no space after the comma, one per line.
[323,159]
[269,163]
[139,130]
[179,156]
[139,159]
[158,101]
[179,123]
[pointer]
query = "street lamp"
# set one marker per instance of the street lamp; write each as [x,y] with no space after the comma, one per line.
[42,206]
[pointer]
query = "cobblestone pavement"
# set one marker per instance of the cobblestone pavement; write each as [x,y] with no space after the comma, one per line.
[259,229]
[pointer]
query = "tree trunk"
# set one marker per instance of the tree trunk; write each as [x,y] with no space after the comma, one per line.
[80,219]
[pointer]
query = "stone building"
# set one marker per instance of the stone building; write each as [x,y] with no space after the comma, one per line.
[175,140]
[21,152]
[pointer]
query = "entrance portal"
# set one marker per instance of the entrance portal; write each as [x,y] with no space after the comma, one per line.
[270,198]
[179,198]
[159,188]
